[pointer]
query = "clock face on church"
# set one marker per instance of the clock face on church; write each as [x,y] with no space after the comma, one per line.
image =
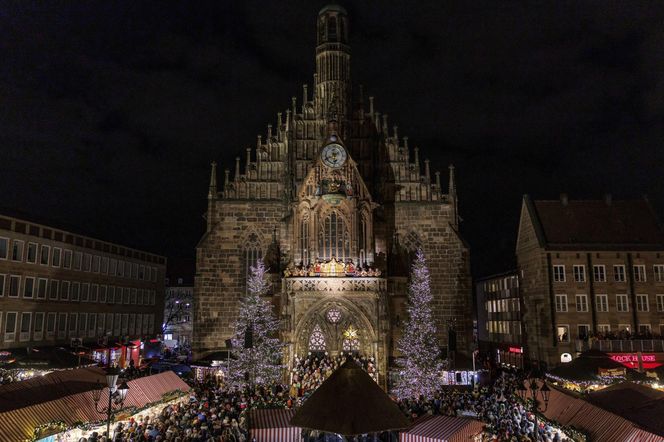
[333,155]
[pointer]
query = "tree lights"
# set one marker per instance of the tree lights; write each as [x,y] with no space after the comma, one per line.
[420,365]
[256,352]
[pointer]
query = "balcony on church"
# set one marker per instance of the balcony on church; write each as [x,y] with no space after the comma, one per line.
[334,276]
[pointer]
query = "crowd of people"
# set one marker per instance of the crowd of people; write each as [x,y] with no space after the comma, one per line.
[211,413]
[495,404]
[214,413]
[309,372]
[620,335]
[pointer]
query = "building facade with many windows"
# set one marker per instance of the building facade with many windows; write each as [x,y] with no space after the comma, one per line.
[499,320]
[178,306]
[56,286]
[592,275]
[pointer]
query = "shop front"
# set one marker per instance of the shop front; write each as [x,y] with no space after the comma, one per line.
[639,360]
[510,355]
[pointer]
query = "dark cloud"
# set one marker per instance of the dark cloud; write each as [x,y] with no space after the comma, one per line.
[112,111]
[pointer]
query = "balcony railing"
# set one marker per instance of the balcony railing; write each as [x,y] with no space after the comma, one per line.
[621,345]
[336,284]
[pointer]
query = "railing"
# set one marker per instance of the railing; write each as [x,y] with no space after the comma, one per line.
[336,284]
[621,345]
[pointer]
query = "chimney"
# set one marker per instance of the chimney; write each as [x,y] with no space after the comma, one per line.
[563,199]
[608,198]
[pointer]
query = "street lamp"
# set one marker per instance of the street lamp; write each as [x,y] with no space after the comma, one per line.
[535,390]
[116,396]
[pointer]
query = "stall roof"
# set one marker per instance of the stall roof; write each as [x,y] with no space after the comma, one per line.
[26,405]
[601,424]
[350,402]
[442,429]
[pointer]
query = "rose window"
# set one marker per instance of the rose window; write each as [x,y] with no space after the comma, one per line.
[334,315]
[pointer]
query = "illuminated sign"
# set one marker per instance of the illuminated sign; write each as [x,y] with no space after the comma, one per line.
[516,349]
[610,372]
[629,357]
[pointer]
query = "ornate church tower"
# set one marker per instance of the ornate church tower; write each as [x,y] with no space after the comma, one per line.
[332,63]
[337,203]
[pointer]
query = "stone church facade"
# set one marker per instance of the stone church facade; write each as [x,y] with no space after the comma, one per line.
[336,203]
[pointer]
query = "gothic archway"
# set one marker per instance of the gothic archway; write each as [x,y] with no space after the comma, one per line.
[323,314]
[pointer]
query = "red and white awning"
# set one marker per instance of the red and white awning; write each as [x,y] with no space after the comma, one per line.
[442,429]
[272,425]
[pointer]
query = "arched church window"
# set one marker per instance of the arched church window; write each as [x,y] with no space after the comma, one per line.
[252,253]
[317,339]
[304,241]
[334,241]
[351,341]
[411,242]
[362,240]
[334,315]
[332,28]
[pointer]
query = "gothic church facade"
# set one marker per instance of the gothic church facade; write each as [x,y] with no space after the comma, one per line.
[336,203]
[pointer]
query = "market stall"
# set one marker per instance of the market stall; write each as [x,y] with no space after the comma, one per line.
[267,425]
[443,429]
[61,402]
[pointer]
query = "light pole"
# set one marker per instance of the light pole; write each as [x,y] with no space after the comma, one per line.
[534,393]
[116,397]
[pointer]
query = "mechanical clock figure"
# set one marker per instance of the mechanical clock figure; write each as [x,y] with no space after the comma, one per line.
[334,155]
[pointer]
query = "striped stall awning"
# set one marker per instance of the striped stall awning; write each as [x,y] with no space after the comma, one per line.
[17,424]
[272,425]
[442,429]
[599,424]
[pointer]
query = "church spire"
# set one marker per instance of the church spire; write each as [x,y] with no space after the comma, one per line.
[451,190]
[212,188]
[332,61]
[212,196]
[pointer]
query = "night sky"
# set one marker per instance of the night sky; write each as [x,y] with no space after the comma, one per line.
[111,112]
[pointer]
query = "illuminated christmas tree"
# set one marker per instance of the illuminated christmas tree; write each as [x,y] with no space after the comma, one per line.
[257,351]
[420,365]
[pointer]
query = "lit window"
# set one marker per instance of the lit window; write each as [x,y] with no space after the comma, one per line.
[317,339]
[334,315]
[563,333]
[334,241]
[351,342]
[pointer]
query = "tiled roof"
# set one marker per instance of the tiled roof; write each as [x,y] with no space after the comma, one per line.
[598,224]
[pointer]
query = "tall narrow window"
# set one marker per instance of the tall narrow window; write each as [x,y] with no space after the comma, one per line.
[304,241]
[335,238]
[317,339]
[252,253]
[351,341]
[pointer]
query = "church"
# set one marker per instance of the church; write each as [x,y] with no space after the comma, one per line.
[336,202]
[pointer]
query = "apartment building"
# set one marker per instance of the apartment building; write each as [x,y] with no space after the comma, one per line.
[57,285]
[499,318]
[590,270]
